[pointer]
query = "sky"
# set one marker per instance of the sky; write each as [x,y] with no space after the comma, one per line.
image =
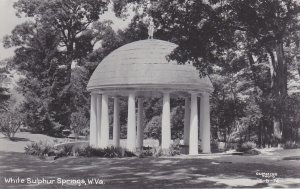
[8,20]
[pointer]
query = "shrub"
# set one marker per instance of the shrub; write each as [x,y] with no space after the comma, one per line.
[150,152]
[40,149]
[214,146]
[128,153]
[145,153]
[246,146]
[112,152]
[290,145]
[157,151]
[252,152]
[43,149]
[90,152]
[109,152]
[153,128]
[78,122]
[10,123]
[83,151]
[65,150]
[174,148]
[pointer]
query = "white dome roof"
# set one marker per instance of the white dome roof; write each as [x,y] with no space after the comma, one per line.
[143,64]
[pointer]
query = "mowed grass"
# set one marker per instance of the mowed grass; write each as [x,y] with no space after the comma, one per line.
[22,139]
[202,171]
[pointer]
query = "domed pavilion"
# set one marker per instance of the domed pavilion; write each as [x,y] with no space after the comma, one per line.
[140,70]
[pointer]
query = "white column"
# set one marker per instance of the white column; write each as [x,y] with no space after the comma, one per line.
[140,126]
[200,125]
[99,107]
[193,144]
[131,123]
[166,122]
[93,121]
[186,132]
[104,122]
[205,123]
[116,125]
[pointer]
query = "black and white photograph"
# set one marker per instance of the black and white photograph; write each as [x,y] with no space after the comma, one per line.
[133,94]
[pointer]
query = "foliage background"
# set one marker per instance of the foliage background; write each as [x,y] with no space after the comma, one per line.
[249,49]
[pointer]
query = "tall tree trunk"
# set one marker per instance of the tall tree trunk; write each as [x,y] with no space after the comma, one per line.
[278,71]
[257,85]
[298,64]
[233,93]
[260,134]
[299,69]
[69,61]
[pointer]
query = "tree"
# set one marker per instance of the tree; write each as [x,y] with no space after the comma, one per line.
[264,31]
[177,121]
[57,37]
[153,128]
[38,58]
[270,27]
[79,123]
[69,19]
[4,92]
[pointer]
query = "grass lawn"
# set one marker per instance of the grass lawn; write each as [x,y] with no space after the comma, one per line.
[202,171]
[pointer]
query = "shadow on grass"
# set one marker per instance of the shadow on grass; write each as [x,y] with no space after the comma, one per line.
[141,173]
[291,158]
[18,139]
[15,139]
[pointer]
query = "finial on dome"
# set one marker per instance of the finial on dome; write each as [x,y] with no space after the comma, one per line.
[150,29]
